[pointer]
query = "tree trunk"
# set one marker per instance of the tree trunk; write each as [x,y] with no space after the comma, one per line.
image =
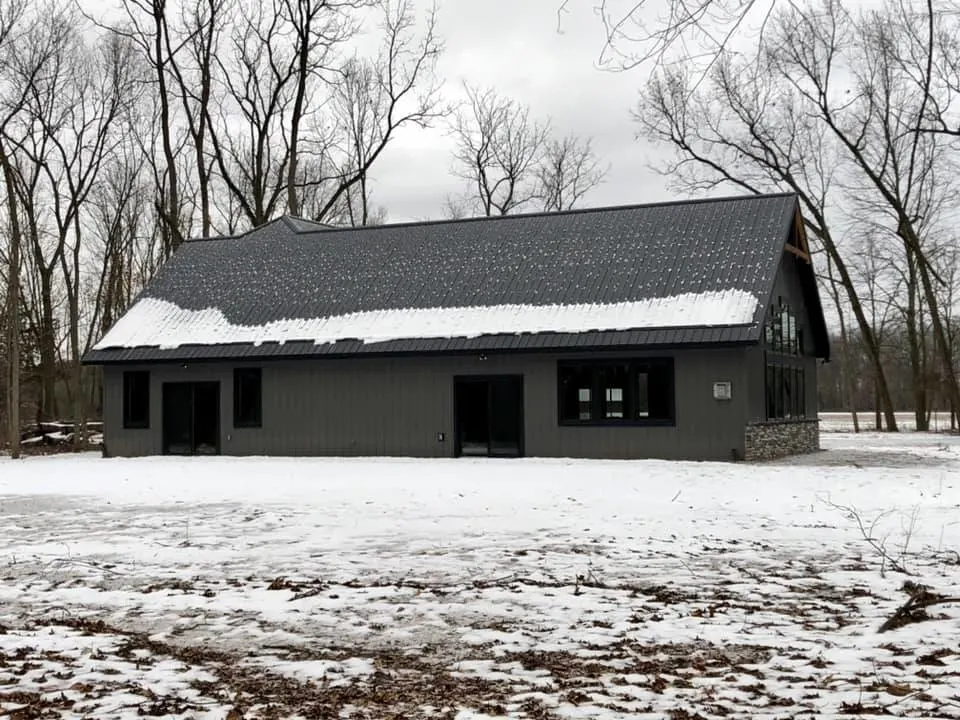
[303,58]
[13,309]
[940,337]
[846,375]
[203,180]
[877,420]
[928,390]
[917,381]
[171,206]
[48,350]
[79,412]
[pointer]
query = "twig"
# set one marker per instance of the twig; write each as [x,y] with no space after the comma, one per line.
[87,563]
[914,610]
[879,545]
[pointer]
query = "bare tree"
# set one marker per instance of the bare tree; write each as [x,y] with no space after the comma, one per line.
[374,98]
[198,38]
[743,127]
[643,31]
[568,171]
[118,134]
[318,27]
[512,161]
[878,83]
[499,149]
[12,308]
[875,129]
[147,24]
[11,15]
[38,68]
[94,90]
[929,51]
[250,138]
[848,393]
[118,211]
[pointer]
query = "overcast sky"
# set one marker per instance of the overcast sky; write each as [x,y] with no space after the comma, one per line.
[515,46]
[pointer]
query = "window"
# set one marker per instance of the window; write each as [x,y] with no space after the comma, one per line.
[786,390]
[614,380]
[643,394]
[583,403]
[247,397]
[136,399]
[782,331]
[635,392]
[576,390]
[613,403]
[785,382]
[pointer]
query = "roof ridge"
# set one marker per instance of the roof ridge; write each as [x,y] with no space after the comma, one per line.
[493,218]
[574,211]
[292,221]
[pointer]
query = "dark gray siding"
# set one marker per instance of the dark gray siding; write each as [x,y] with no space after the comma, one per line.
[755,361]
[381,406]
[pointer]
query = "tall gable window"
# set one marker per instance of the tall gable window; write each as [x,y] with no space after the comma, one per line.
[785,375]
[620,392]
[782,332]
[136,399]
[247,398]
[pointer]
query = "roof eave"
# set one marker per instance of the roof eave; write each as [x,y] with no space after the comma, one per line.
[622,340]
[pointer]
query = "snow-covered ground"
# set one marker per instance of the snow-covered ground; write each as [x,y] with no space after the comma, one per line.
[316,588]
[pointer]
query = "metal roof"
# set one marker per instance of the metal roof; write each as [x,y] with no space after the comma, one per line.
[299,269]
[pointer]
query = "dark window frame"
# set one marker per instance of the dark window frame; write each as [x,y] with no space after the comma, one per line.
[598,371]
[785,387]
[136,381]
[783,333]
[253,418]
[784,367]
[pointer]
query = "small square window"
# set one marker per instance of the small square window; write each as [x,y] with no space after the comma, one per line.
[247,397]
[136,399]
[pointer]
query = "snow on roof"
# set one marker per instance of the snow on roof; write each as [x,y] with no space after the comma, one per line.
[152,322]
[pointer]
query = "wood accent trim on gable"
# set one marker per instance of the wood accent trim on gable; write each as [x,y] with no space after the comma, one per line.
[799,246]
[797,251]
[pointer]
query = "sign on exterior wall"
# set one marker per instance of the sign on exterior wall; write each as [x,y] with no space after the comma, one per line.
[722,391]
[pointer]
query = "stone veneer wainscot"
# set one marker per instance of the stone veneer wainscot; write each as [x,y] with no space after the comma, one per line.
[779,438]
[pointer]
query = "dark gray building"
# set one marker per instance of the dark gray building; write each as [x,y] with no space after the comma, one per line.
[679,330]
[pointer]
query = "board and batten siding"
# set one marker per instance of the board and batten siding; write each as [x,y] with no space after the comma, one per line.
[397,406]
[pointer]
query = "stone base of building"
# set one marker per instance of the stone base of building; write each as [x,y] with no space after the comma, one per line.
[780,438]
